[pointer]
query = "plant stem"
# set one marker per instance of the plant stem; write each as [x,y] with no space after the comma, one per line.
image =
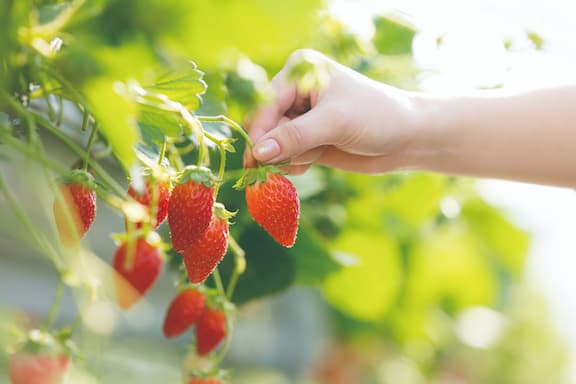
[41,241]
[98,170]
[55,304]
[162,151]
[28,151]
[231,123]
[240,267]
[91,139]
[221,168]
[218,281]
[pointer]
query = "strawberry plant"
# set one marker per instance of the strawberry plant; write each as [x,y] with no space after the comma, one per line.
[121,164]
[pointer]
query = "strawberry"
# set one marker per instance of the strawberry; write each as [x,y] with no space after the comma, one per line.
[41,359]
[199,380]
[183,312]
[190,207]
[210,331]
[146,198]
[208,249]
[75,208]
[273,203]
[27,368]
[137,264]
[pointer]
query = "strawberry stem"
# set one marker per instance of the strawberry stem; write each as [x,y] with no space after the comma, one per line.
[91,139]
[162,151]
[53,312]
[231,123]
[98,170]
[240,267]
[36,235]
[218,281]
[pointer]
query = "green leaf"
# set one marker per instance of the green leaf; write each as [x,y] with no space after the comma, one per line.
[269,268]
[367,290]
[393,36]
[184,86]
[156,124]
[313,260]
[117,119]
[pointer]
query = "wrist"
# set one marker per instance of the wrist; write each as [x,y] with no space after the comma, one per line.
[429,125]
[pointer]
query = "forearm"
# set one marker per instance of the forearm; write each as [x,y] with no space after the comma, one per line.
[526,137]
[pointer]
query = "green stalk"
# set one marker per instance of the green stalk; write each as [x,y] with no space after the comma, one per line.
[240,266]
[55,304]
[91,139]
[98,170]
[162,151]
[231,123]
[41,241]
[218,281]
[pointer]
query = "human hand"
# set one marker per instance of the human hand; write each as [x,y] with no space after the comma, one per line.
[352,123]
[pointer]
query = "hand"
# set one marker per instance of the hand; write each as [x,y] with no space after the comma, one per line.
[352,123]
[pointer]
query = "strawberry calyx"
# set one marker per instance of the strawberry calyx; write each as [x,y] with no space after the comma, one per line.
[39,342]
[214,374]
[197,174]
[222,212]
[80,177]
[257,175]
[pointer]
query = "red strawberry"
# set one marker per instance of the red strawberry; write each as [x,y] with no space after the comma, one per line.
[190,207]
[273,203]
[207,250]
[137,264]
[183,312]
[199,380]
[29,368]
[210,331]
[146,197]
[75,208]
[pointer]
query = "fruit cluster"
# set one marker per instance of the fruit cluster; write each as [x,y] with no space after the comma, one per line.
[199,231]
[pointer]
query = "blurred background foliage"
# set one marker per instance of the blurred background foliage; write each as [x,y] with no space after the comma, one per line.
[408,277]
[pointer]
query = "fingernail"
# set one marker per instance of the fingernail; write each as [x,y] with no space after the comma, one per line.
[266,150]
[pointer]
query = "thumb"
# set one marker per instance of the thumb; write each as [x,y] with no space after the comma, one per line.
[294,137]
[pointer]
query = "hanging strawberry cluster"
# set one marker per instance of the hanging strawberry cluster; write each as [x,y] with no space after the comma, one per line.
[186,196]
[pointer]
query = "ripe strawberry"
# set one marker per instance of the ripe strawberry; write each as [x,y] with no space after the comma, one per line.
[210,331]
[199,380]
[75,209]
[137,265]
[183,312]
[190,207]
[146,198]
[29,368]
[208,249]
[273,203]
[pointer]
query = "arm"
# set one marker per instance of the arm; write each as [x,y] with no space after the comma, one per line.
[360,125]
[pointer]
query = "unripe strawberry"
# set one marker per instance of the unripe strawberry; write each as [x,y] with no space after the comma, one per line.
[210,331]
[138,265]
[75,208]
[146,198]
[183,312]
[208,249]
[190,207]
[273,202]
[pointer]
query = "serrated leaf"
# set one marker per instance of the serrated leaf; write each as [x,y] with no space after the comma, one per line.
[160,123]
[184,86]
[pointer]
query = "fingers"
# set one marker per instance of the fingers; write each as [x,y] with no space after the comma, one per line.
[294,137]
